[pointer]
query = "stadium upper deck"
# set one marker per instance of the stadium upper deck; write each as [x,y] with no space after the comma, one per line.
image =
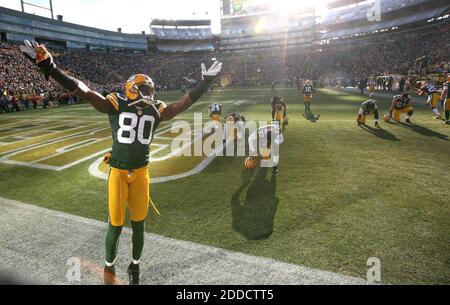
[249,30]
[181,35]
[352,18]
[17,26]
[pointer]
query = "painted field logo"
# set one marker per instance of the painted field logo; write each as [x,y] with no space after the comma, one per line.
[53,143]
[59,143]
[179,148]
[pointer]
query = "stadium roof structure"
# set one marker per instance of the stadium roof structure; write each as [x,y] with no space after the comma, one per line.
[7,11]
[176,23]
[353,20]
[341,3]
[19,26]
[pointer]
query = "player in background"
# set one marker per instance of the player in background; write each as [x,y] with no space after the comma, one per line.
[445,100]
[215,111]
[368,107]
[371,84]
[433,97]
[266,137]
[401,104]
[234,121]
[279,112]
[308,92]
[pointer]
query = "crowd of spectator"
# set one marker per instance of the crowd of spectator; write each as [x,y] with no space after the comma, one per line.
[349,61]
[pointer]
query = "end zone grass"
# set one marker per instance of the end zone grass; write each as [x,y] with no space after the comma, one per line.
[344,193]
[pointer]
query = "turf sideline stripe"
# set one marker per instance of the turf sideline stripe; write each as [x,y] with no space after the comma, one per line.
[170,261]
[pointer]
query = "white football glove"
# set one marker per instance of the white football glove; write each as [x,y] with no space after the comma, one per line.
[39,55]
[209,75]
[35,51]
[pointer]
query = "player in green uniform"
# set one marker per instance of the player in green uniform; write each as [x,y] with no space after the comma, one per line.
[134,118]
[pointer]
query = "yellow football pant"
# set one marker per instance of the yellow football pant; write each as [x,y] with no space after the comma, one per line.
[362,118]
[307,99]
[434,100]
[128,186]
[279,116]
[397,112]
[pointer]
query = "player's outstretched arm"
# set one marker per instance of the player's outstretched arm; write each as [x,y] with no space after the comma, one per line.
[186,101]
[392,106]
[41,57]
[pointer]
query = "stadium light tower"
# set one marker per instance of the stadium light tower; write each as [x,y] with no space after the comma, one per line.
[50,8]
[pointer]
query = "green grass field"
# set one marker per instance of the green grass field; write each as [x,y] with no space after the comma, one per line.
[344,193]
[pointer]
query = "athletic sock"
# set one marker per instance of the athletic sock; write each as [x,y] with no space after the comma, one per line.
[436,112]
[112,244]
[447,115]
[138,240]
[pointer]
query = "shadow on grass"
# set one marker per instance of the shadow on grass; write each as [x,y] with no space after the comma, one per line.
[424,131]
[254,218]
[311,117]
[380,133]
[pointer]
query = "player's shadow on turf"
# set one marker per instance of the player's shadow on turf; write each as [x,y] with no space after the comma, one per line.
[380,133]
[424,131]
[254,218]
[311,117]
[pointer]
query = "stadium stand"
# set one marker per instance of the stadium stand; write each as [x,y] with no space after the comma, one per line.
[254,50]
[17,26]
[181,35]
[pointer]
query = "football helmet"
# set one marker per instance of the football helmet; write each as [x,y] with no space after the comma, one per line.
[250,163]
[230,120]
[140,88]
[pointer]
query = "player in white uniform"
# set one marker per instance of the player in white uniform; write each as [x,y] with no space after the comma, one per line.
[269,138]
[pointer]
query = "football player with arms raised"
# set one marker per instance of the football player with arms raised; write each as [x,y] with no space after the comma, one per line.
[133,118]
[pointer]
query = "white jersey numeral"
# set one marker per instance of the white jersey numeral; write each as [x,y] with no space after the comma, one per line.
[141,129]
[131,128]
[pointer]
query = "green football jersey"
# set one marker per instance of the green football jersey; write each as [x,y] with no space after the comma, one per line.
[132,129]
[308,90]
